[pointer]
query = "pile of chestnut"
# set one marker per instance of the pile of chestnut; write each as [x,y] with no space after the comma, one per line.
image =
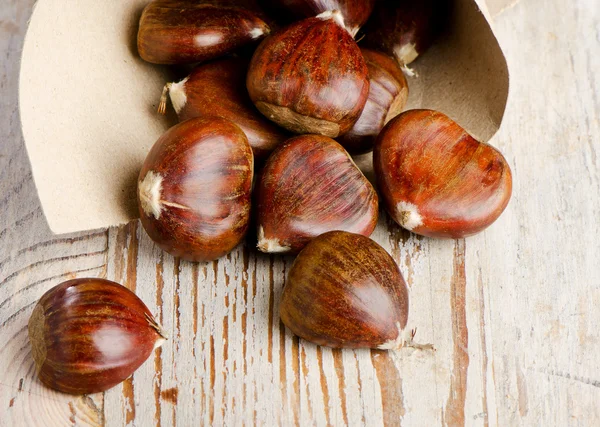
[270,139]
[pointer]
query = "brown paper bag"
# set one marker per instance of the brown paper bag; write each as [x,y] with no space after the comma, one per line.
[88,102]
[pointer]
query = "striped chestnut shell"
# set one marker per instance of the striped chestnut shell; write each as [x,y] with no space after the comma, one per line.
[310,186]
[344,290]
[310,77]
[194,189]
[388,93]
[437,180]
[355,12]
[185,32]
[218,89]
[405,28]
[88,335]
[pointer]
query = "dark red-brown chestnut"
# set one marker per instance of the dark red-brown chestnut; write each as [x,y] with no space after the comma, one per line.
[194,189]
[388,93]
[218,89]
[310,186]
[405,28]
[344,290]
[186,31]
[355,12]
[437,180]
[88,335]
[310,77]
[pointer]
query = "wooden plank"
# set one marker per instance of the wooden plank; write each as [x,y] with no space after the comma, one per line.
[510,311]
[31,259]
[538,266]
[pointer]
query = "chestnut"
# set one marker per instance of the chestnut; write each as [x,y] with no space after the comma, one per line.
[88,335]
[355,12]
[405,28]
[344,290]
[218,89]
[185,31]
[309,186]
[437,180]
[388,93]
[310,77]
[194,189]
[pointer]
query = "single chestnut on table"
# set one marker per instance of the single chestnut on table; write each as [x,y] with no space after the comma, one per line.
[437,180]
[310,77]
[344,290]
[388,93]
[405,28]
[88,335]
[188,31]
[354,12]
[194,189]
[218,89]
[310,186]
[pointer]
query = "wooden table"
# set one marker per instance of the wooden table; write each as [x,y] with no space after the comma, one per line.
[512,311]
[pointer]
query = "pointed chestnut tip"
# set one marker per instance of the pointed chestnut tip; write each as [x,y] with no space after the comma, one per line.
[258,32]
[269,245]
[337,16]
[405,339]
[149,190]
[408,215]
[396,343]
[159,330]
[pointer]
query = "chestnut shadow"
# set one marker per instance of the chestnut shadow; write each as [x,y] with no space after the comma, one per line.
[171,73]
[132,30]
[128,194]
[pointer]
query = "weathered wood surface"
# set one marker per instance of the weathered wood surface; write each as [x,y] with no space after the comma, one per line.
[512,311]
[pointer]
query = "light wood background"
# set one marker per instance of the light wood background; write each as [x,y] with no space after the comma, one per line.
[513,312]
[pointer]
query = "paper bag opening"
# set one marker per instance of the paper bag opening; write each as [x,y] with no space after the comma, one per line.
[88,102]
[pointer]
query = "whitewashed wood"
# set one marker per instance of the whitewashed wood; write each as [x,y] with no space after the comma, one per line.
[511,311]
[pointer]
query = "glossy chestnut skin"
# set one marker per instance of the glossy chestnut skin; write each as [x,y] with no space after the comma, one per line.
[310,186]
[388,93]
[437,180]
[88,335]
[355,12]
[344,290]
[218,89]
[194,189]
[185,31]
[405,28]
[310,77]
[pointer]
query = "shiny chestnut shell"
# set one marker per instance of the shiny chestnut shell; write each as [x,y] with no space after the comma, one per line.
[437,180]
[354,12]
[186,31]
[344,290]
[310,186]
[88,335]
[310,77]
[218,89]
[388,93]
[405,28]
[194,189]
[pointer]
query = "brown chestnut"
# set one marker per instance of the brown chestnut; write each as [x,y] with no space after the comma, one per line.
[309,186]
[437,180]
[405,28]
[344,290]
[388,93]
[355,12]
[88,335]
[310,77]
[219,89]
[185,31]
[194,189]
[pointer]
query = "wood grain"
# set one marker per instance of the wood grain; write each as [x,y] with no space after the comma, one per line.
[510,311]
